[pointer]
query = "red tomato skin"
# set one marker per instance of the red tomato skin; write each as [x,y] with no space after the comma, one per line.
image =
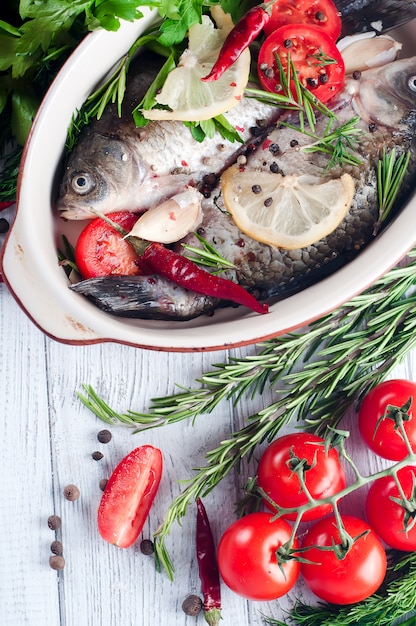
[247,561]
[326,477]
[385,440]
[305,12]
[129,495]
[305,42]
[351,579]
[102,251]
[386,516]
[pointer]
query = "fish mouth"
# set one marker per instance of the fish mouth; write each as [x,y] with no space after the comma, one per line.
[75,212]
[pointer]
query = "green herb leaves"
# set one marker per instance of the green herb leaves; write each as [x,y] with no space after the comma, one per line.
[391,170]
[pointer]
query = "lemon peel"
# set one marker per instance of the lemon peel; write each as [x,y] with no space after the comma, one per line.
[286,211]
[187,96]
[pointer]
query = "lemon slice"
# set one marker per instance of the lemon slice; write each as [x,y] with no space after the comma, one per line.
[187,96]
[285,211]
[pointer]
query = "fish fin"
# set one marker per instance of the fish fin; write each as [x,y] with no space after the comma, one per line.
[361,15]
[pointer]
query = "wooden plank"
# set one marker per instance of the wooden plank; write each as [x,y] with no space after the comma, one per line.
[28,589]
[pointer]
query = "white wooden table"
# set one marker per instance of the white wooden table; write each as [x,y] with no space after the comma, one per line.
[47,440]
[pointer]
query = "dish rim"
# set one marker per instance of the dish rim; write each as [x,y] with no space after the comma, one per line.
[69,318]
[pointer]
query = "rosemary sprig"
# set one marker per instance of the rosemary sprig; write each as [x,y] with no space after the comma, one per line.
[347,352]
[207,256]
[340,143]
[391,170]
[294,97]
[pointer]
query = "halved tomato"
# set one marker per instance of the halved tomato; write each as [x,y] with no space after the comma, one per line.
[129,495]
[316,59]
[321,13]
[102,251]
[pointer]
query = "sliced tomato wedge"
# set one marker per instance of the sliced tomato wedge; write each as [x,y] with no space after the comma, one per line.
[129,495]
[321,13]
[316,59]
[102,251]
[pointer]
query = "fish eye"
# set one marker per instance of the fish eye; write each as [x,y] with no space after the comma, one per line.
[82,183]
[412,83]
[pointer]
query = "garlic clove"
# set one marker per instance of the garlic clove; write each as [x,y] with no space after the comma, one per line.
[366,50]
[172,220]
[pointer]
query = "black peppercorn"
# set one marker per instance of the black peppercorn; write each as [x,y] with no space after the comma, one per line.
[56,548]
[192,605]
[4,226]
[71,492]
[57,562]
[103,483]
[104,436]
[97,456]
[54,522]
[147,547]
[320,16]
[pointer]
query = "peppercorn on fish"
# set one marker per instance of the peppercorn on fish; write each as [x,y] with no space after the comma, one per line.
[385,101]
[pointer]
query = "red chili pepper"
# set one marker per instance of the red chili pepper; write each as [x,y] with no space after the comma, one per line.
[208,567]
[239,38]
[5,205]
[187,274]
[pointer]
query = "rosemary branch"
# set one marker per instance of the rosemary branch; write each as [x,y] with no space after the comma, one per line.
[344,354]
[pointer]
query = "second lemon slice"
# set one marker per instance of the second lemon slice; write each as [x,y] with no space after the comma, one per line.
[187,96]
[286,211]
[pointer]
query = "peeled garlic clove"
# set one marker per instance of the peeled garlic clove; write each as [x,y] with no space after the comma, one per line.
[365,51]
[172,220]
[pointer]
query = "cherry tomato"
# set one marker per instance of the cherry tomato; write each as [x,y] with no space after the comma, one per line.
[321,13]
[101,250]
[323,473]
[378,429]
[128,496]
[317,61]
[247,557]
[393,523]
[343,580]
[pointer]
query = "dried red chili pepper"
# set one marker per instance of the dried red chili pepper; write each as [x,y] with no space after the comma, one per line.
[5,205]
[187,274]
[239,38]
[208,568]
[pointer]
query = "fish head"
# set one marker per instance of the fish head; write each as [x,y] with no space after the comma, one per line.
[100,176]
[387,95]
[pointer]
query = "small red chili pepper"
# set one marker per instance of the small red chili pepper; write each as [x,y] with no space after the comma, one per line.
[5,205]
[239,38]
[208,567]
[187,274]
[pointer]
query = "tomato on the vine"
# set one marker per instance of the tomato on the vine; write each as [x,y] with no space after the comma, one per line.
[390,399]
[351,576]
[321,13]
[317,61]
[391,516]
[247,557]
[102,251]
[320,469]
[129,495]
